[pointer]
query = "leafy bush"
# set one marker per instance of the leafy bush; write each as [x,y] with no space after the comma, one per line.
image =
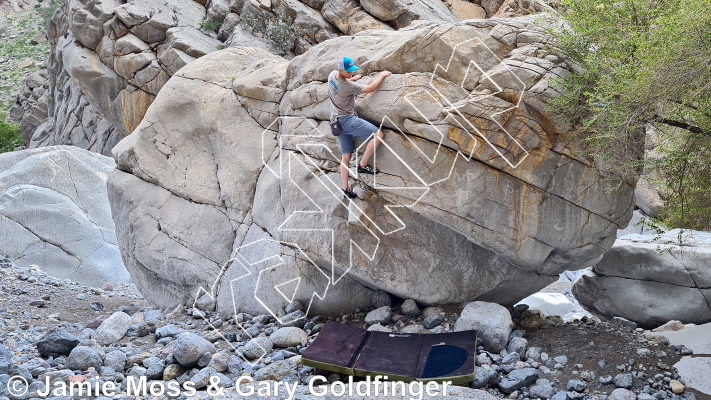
[641,64]
[208,25]
[257,22]
[280,31]
[687,180]
[10,136]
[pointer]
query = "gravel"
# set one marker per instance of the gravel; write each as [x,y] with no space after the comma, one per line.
[180,345]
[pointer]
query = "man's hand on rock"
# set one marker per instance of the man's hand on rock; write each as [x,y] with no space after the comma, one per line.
[355,78]
[373,86]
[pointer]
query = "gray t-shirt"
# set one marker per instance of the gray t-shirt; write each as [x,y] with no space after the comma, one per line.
[342,93]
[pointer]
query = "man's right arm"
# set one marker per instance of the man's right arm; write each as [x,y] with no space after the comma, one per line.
[373,86]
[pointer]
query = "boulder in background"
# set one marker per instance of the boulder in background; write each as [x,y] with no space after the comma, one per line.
[652,281]
[54,212]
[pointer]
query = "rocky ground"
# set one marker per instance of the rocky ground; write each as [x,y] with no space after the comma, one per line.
[23,47]
[69,332]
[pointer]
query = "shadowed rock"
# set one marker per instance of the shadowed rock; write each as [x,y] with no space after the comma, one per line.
[651,281]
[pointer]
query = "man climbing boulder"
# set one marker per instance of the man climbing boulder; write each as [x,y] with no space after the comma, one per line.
[342,91]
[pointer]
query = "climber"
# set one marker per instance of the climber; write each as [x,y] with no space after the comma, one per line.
[342,91]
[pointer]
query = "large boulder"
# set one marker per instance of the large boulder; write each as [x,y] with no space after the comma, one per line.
[492,322]
[147,206]
[467,10]
[349,17]
[241,36]
[513,8]
[315,27]
[106,90]
[237,144]
[647,198]
[403,12]
[54,212]
[652,279]
[30,108]
[87,19]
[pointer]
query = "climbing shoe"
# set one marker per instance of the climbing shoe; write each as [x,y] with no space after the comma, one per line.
[348,193]
[367,169]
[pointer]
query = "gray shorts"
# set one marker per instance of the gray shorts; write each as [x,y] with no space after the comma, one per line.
[353,126]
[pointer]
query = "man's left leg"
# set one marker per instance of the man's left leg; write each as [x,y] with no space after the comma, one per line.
[345,142]
[370,147]
[345,161]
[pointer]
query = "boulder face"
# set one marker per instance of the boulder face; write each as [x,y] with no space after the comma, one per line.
[13,7]
[652,281]
[482,195]
[30,108]
[647,198]
[110,58]
[102,75]
[75,237]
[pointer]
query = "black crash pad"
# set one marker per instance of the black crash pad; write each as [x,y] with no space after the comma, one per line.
[401,356]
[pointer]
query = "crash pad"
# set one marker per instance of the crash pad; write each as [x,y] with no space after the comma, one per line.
[354,351]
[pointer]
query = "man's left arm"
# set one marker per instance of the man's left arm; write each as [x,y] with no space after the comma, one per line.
[355,78]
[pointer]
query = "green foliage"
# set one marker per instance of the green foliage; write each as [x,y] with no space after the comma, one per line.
[280,31]
[258,22]
[640,64]
[686,166]
[10,136]
[209,25]
[658,230]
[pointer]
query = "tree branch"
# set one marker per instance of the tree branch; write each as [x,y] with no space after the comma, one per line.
[682,125]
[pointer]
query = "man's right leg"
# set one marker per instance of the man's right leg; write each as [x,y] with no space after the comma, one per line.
[345,162]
